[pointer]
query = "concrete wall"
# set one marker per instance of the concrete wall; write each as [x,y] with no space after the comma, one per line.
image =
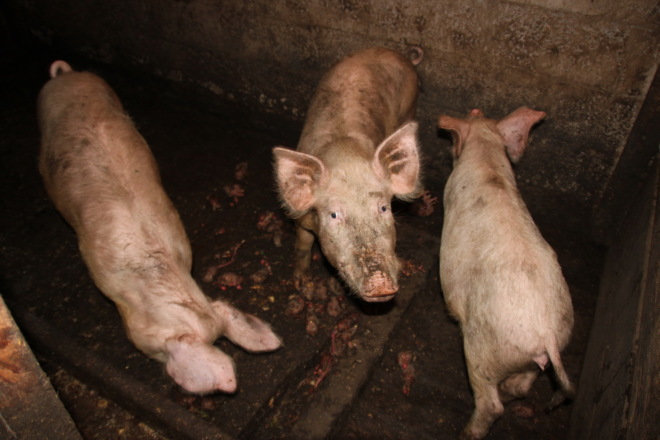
[587,63]
[619,388]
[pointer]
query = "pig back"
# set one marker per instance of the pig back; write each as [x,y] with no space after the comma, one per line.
[366,96]
[499,276]
[102,177]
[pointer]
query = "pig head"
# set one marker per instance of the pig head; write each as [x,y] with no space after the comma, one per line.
[103,179]
[357,150]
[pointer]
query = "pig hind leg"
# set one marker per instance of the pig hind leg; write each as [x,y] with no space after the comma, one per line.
[488,406]
[199,367]
[566,388]
[245,330]
[517,385]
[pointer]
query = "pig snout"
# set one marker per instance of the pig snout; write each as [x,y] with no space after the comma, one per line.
[379,276]
[379,287]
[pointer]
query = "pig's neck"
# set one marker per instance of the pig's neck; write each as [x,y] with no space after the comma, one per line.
[488,157]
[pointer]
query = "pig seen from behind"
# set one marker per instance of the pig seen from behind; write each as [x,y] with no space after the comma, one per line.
[500,279]
[358,149]
[103,179]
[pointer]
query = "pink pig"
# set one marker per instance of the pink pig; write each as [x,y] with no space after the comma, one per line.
[103,179]
[357,150]
[500,279]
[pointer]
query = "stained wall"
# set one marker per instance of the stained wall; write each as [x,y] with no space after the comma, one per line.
[588,64]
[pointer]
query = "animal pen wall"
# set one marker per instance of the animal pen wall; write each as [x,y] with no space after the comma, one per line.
[592,165]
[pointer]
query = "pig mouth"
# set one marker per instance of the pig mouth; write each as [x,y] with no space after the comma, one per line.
[377,298]
[378,288]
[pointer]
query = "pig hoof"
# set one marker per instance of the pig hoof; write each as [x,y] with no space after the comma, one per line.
[557,399]
[301,280]
[468,434]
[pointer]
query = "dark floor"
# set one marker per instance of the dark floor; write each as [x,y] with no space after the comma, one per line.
[353,388]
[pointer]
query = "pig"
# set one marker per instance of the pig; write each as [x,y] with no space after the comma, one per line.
[101,176]
[358,149]
[501,280]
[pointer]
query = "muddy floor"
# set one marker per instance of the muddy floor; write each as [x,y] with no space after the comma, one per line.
[348,370]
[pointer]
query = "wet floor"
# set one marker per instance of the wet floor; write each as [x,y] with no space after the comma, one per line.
[348,370]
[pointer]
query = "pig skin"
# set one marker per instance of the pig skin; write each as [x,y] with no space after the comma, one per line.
[357,150]
[103,179]
[500,279]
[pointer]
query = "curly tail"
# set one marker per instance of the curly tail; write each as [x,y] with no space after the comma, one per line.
[59,67]
[415,54]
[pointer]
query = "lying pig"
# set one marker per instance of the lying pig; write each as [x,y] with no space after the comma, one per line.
[357,150]
[102,178]
[500,279]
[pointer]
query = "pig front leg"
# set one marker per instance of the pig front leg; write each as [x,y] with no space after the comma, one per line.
[303,256]
[305,236]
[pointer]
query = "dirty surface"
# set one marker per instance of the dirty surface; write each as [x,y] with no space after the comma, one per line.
[29,406]
[348,370]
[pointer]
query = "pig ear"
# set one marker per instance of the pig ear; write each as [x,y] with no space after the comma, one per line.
[397,160]
[515,130]
[199,367]
[298,177]
[245,330]
[458,129]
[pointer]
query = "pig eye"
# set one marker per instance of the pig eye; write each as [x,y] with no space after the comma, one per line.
[335,214]
[383,208]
